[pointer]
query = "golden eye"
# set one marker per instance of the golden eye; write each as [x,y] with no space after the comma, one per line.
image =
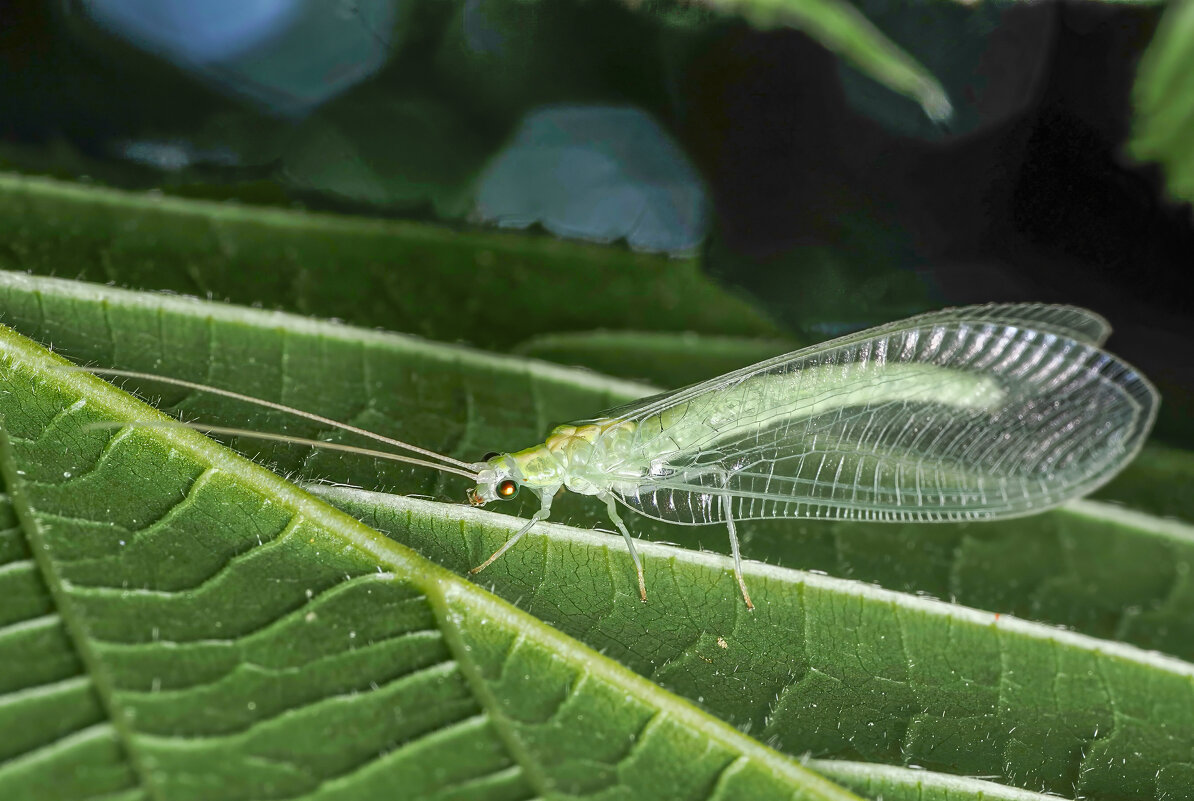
[507,489]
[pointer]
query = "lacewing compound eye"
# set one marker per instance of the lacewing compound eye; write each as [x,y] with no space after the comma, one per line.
[507,489]
[489,456]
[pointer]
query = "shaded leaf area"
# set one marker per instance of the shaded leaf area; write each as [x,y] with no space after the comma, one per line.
[1163,100]
[1154,482]
[661,358]
[242,640]
[839,668]
[1103,572]
[490,289]
[503,54]
[372,151]
[837,292]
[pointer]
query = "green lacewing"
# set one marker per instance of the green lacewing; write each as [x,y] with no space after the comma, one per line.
[972,413]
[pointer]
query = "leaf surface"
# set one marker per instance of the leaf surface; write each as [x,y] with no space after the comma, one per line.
[838,668]
[208,630]
[1106,573]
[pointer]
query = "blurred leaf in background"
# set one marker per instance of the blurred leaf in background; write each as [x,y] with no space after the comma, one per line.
[599,173]
[990,57]
[1163,126]
[371,152]
[287,56]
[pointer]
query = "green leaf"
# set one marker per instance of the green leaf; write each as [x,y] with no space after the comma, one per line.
[839,668]
[490,289]
[860,673]
[664,359]
[208,630]
[1163,99]
[874,281]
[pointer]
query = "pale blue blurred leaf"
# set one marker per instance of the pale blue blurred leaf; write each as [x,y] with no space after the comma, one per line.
[600,173]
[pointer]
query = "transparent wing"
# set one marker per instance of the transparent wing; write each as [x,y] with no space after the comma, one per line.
[956,415]
[1072,322]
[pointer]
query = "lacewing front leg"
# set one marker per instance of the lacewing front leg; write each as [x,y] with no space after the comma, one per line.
[612,509]
[545,499]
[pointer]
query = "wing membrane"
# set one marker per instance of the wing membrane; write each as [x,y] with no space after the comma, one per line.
[1071,322]
[993,411]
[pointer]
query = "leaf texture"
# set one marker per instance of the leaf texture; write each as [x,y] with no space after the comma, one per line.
[234,638]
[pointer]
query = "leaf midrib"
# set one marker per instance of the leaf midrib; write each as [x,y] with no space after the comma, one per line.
[74,627]
[438,584]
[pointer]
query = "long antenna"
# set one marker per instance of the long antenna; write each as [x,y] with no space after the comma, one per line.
[281,407]
[315,443]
